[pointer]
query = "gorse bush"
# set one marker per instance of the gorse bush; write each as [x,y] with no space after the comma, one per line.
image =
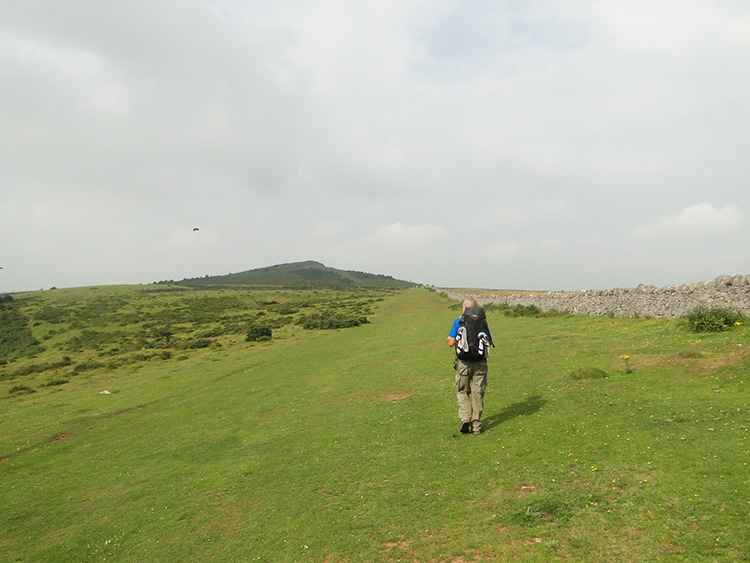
[331,320]
[20,390]
[521,310]
[258,333]
[704,319]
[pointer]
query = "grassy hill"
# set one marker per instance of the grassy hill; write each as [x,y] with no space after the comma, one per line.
[299,274]
[606,440]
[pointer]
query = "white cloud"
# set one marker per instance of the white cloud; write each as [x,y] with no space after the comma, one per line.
[550,245]
[674,26]
[501,250]
[368,135]
[702,218]
[328,228]
[408,237]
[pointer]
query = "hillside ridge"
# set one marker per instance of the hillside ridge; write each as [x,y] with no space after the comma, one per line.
[305,274]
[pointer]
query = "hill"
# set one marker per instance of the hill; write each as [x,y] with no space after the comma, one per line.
[299,274]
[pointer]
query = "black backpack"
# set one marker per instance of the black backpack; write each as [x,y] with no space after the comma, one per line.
[472,341]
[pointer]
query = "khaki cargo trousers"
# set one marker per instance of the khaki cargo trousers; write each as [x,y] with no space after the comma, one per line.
[471,383]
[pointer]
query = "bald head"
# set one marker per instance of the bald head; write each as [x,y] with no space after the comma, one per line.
[470,302]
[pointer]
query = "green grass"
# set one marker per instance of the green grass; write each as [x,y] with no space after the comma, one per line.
[343,445]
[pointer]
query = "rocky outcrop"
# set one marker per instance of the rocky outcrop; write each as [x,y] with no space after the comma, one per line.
[732,292]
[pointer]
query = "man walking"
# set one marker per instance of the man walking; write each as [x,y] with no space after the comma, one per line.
[470,337]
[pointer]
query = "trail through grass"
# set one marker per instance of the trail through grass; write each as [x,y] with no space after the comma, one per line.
[344,446]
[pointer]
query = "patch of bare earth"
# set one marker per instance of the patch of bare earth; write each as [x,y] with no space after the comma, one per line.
[691,360]
[402,544]
[525,490]
[393,397]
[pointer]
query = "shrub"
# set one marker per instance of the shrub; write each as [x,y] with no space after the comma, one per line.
[87,366]
[20,390]
[331,320]
[214,332]
[705,319]
[520,310]
[258,333]
[196,344]
[56,381]
[284,308]
[163,333]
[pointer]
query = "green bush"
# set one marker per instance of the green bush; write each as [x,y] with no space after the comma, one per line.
[705,319]
[56,381]
[215,331]
[87,366]
[20,390]
[258,333]
[331,320]
[520,310]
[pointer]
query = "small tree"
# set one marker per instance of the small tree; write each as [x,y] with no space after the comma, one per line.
[164,333]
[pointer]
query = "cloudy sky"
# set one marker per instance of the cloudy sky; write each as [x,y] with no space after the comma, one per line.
[484,143]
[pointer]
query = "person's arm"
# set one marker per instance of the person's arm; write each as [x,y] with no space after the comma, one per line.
[453,333]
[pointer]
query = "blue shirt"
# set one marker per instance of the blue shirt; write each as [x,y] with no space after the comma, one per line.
[454,330]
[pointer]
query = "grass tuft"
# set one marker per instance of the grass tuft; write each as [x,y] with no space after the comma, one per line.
[588,373]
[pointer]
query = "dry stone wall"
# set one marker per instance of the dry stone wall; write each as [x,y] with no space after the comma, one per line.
[675,301]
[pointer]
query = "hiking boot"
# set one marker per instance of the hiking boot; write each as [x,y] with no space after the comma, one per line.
[465,427]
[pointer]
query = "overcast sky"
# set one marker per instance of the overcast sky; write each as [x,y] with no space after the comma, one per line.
[484,143]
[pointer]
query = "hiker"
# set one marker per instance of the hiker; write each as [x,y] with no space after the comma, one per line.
[470,337]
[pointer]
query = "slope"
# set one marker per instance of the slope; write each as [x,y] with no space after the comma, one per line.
[299,274]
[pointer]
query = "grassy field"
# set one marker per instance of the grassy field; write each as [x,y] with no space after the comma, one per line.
[606,440]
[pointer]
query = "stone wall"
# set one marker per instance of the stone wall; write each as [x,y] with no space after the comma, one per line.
[732,292]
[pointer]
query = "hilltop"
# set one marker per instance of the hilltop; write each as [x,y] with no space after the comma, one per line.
[306,274]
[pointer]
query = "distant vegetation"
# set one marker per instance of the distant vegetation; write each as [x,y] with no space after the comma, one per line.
[297,274]
[16,338]
[522,310]
[49,337]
